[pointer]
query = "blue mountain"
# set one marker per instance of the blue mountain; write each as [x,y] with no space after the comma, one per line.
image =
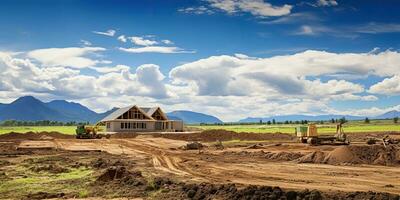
[29,108]
[190,117]
[73,110]
[389,115]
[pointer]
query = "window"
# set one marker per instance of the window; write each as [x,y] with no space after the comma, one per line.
[122,125]
[129,125]
[108,125]
[144,125]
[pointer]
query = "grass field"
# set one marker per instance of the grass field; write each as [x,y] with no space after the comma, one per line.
[350,127]
[23,129]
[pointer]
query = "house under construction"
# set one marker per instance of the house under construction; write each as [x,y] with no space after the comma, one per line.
[140,119]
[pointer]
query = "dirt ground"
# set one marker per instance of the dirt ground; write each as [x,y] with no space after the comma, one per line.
[260,166]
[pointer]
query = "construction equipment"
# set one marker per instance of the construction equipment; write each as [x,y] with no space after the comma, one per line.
[387,140]
[309,134]
[90,132]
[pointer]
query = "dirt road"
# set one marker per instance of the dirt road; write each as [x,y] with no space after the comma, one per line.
[162,156]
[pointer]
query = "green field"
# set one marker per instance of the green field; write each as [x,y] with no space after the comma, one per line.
[23,129]
[350,127]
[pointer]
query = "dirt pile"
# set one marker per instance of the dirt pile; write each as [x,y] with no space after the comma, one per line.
[44,195]
[193,146]
[363,137]
[120,182]
[367,154]
[373,154]
[313,157]
[274,156]
[101,163]
[231,191]
[35,136]
[223,135]
[113,173]
[282,156]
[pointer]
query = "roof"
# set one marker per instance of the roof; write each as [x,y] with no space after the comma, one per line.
[116,114]
[149,111]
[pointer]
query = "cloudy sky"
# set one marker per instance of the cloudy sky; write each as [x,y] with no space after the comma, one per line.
[230,58]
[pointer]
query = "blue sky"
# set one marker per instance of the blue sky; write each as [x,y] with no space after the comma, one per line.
[230,58]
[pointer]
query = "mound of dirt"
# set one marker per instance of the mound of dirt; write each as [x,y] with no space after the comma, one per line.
[282,156]
[224,135]
[104,163]
[34,136]
[44,195]
[231,191]
[274,156]
[313,157]
[367,154]
[363,137]
[342,155]
[118,173]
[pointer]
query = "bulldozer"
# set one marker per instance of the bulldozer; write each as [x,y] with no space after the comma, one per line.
[309,134]
[90,132]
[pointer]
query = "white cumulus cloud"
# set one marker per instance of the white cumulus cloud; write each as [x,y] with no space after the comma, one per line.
[388,86]
[67,57]
[155,49]
[110,32]
[327,3]
[258,8]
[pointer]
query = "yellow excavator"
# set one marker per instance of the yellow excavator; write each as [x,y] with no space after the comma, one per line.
[309,134]
[90,132]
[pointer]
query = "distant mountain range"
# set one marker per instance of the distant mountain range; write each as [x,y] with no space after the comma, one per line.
[282,118]
[190,117]
[389,115]
[29,108]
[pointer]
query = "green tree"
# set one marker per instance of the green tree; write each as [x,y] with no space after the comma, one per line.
[366,120]
[273,121]
[395,120]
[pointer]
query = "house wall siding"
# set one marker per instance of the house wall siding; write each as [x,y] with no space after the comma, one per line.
[115,126]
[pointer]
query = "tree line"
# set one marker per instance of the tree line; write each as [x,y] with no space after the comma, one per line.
[273,122]
[40,123]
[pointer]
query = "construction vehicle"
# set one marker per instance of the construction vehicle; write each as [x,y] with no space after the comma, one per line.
[387,140]
[90,132]
[309,134]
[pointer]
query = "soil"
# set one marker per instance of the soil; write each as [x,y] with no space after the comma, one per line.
[153,166]
[223,135]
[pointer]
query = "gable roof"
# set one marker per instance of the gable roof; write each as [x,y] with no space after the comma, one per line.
[116,114]
[148,111]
